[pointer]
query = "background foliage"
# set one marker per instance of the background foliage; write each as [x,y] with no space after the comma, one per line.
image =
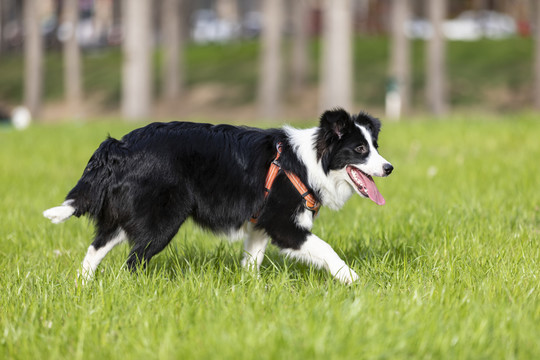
[497,80]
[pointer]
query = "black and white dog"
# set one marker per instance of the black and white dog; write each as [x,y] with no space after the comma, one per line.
[143,187]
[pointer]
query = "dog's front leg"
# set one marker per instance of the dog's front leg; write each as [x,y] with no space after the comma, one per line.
[317,252]
[254,248]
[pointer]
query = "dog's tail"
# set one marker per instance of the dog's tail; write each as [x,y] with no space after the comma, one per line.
[90,193]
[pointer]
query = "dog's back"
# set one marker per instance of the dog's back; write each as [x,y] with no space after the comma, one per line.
[182,166]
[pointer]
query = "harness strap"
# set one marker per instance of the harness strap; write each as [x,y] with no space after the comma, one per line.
[272,172]
[310,202]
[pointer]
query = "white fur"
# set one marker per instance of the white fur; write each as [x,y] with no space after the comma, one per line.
[332,188]
[94,256]
[375,162]
[254,248]
[238,234]
[304,219]
[60,213]
[319,253]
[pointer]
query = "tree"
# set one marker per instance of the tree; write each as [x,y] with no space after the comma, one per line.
[336,70]
[2,12]
[536,9]
[33,57]
[270,81]
[172,50]
[137,67]
[399,57]
[72,60]
[227,10]
[436,54]
[300,57]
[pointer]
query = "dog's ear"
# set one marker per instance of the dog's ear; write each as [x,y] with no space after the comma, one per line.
[371,123]
[336,122]
[333,126]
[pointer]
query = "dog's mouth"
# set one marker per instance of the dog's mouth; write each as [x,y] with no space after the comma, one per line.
[365,185]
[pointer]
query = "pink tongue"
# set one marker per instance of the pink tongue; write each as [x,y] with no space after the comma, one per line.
[372,190]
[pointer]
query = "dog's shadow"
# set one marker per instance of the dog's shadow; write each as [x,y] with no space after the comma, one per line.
[382,258]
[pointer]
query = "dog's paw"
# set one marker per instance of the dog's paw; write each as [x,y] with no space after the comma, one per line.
[346,275]
[84,277]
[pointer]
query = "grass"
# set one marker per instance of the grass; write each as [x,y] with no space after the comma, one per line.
[449,268]
[486,73]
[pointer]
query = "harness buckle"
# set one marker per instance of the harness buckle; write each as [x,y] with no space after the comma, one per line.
[309,200]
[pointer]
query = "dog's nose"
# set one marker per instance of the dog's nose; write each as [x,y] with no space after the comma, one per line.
[388,169]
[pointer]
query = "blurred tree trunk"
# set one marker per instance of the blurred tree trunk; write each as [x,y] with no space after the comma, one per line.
[336,70]
[227,10]
[400,55]
[72,60]
[270,76]
[33,57]
[536,24]
[479,4]
[117,11]
[2,15]
[362,17]
[436,54]
[172,51]
[137,67]
[300,56]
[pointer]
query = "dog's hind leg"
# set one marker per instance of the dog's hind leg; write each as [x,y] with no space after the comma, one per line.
[104,242]
[148,243]
[143,251]
[254,247]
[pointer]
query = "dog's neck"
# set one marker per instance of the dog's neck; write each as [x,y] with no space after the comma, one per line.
[332,189]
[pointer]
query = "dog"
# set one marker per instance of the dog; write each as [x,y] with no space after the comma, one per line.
[270,183]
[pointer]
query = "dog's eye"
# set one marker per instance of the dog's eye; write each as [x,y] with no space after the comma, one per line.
[361,149]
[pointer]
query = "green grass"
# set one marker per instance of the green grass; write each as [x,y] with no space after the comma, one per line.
[493,74]
[449,268]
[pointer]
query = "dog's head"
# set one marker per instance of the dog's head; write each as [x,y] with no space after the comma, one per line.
[347,146]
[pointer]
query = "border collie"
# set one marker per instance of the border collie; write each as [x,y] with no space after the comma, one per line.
[143,187]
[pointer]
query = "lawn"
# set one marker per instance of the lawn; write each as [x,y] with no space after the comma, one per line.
[449,268]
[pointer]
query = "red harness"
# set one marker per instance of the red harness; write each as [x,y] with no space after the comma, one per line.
[310,202]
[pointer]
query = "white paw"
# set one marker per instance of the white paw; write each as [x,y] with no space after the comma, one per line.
[346,275]
[84,276]
[249,263]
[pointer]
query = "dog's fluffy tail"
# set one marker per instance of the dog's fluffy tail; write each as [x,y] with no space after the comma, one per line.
[88,196]
[60,213]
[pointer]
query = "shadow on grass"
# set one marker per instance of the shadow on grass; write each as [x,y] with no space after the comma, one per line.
[223,259]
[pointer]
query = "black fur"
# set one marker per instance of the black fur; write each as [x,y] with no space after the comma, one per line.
[149,182]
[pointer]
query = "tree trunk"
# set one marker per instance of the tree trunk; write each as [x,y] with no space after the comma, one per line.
[2,14]
[270,76]
[172,46]
[300,57]
[72,61]
[336,70]
[436,54]
[400,56]
[137,67]
[33,58]
[536,9]
[227,10]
